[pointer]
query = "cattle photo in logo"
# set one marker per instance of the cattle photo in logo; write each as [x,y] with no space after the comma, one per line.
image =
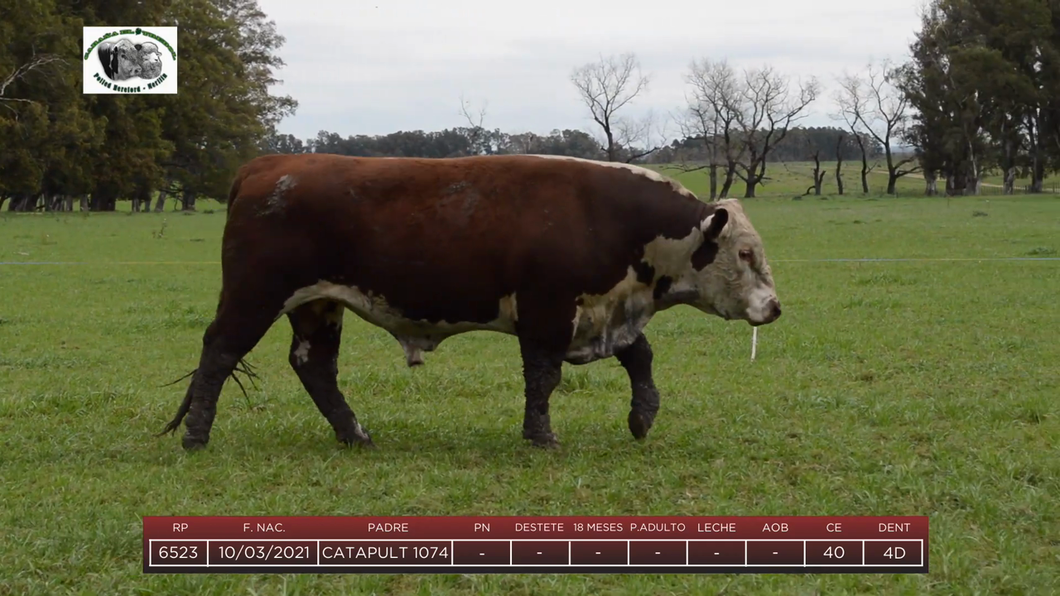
[130,60]
[573,257]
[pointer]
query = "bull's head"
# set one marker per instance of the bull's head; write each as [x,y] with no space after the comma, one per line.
[730,275]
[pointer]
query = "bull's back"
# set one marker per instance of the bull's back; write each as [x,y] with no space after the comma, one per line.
[448,216]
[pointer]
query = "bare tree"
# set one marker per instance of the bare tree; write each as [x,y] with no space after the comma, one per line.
[850,97]
[711,116]
[477,136]
[886,118]
[765,111]
[818,174]
[39,62]
[639,137]
[607,86]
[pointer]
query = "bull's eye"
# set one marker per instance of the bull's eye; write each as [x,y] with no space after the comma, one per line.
[747,255]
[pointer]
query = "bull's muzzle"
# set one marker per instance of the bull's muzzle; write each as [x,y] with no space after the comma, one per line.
[772,313]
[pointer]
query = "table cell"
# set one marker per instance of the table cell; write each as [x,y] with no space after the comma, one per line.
[263,552]
[527,552]
[385,552]
[716,552]
[590,552]
[189,553]
[833,552]
[646,552]
[774,552]
[893,552]
[473,552]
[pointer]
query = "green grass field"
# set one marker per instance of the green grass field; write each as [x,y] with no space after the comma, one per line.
[923,387]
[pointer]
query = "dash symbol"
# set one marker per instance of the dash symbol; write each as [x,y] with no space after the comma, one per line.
[774,552]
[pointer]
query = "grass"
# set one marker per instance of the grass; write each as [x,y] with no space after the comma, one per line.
[888,388]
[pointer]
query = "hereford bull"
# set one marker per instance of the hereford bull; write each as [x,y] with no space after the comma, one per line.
[571,256]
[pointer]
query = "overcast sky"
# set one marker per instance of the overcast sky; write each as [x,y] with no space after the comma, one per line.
[378,66]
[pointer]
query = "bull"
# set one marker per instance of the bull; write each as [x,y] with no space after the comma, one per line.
[572,257]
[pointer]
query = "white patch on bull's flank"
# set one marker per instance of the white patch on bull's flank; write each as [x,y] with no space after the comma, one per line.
[647,173]
[301,353]
[415,336]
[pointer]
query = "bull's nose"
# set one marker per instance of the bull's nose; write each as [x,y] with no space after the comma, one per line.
[774,310]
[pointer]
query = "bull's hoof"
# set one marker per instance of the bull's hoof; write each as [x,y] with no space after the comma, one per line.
[355,437]
[192,443]
[639,424]
[544,441]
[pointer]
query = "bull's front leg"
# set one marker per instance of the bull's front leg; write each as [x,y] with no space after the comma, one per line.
[636,359]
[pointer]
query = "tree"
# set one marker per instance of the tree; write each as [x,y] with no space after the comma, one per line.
[839,163]
[886,119]
[710,115]
[850,97]
[765,110]
[607,86]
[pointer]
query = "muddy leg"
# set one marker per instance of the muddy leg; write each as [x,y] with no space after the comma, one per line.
[544,335]
[231,335]
[542,371]
[314,356]
[636,359]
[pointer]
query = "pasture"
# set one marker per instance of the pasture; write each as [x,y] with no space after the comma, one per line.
[920,387]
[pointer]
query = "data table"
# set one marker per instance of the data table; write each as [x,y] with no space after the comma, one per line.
[535,544]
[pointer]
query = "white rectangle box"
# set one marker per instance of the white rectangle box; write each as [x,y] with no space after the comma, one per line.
[130,60]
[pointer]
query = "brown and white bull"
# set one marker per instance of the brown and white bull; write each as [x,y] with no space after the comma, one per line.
[573,257]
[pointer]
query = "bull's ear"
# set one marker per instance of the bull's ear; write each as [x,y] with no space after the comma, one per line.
[714,224]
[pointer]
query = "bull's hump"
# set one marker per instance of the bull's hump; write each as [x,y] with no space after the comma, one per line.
[639,170]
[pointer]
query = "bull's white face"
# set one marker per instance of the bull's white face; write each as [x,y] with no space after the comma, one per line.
[738,284]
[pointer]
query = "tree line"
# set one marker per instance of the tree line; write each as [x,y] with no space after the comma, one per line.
[980,93]
[984,87]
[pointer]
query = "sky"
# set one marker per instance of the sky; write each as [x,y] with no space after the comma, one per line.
[378,66]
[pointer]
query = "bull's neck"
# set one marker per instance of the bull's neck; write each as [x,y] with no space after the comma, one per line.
[680,292]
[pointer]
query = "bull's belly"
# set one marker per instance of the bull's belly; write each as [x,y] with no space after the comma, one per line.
[415,336]
[601,327]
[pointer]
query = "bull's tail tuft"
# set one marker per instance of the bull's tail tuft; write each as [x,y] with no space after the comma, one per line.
[182,411]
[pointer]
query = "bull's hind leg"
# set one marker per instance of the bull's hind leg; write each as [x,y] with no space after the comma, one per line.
[234,332]
[544,335]
[636,359]
[314,356]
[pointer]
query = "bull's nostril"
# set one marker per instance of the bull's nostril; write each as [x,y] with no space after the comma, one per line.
[776,309]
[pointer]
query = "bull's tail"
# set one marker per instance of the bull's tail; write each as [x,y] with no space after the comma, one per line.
[234,191]
[242,366]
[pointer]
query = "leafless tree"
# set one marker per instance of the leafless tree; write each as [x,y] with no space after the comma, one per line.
[818,174]
[477,136]
[886,119]
[711,115]
[39,62]
[765,111]
[850,97]
[607,86]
